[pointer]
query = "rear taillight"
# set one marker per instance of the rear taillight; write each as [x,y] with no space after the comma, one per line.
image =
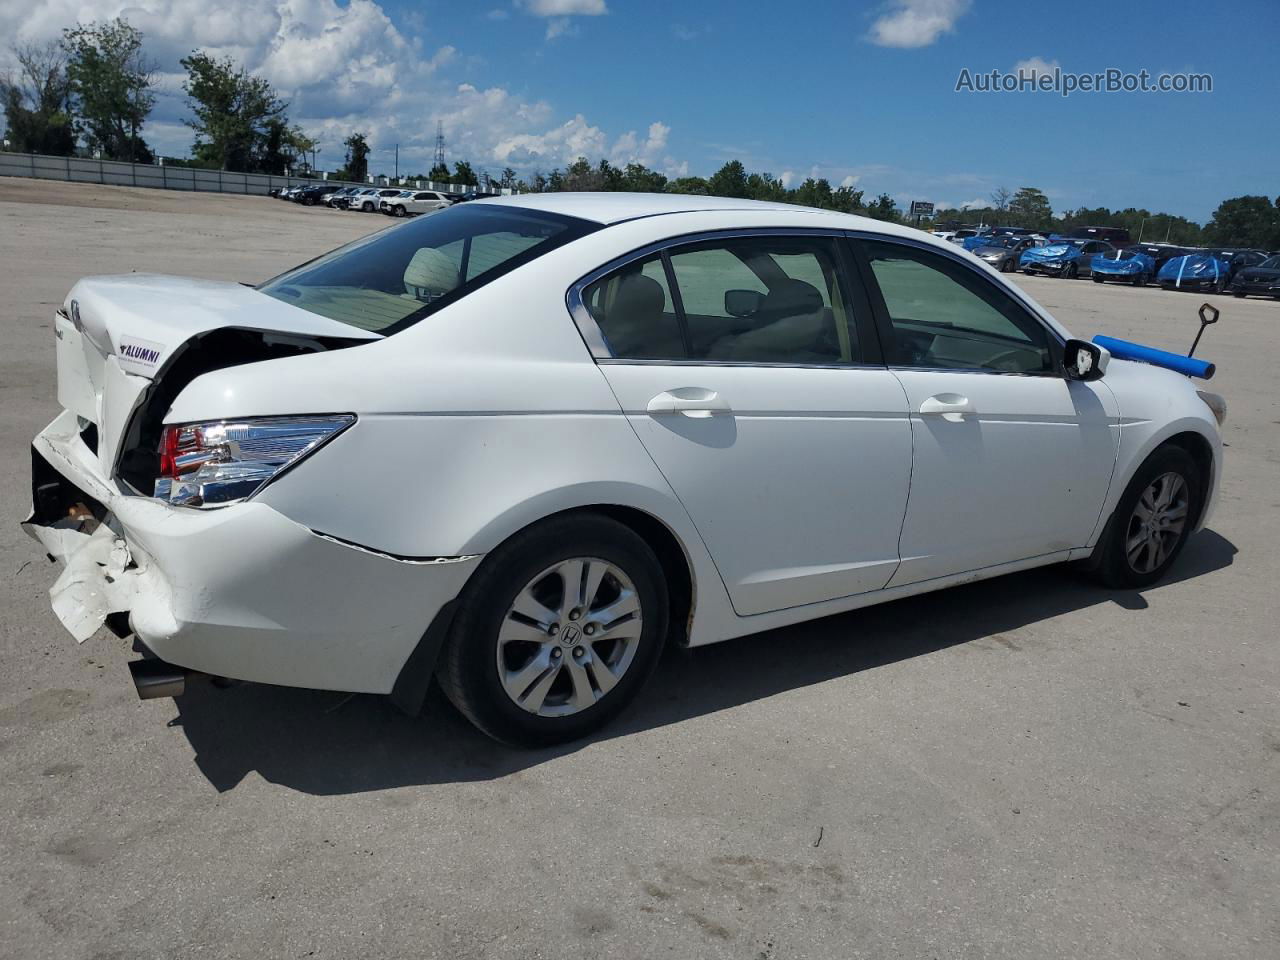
[218,462]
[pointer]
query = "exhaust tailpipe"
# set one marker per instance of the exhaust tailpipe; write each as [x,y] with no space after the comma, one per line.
[154,679]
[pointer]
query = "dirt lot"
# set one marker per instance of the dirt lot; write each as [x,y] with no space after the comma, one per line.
[1025,768]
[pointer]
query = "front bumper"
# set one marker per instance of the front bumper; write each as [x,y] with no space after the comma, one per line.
[1036,266]
[241,591]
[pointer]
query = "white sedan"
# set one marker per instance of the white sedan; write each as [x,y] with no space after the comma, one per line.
[522,444]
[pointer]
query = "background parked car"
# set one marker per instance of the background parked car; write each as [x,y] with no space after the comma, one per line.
[314,193]
[338,198]
[981,238]
[354,201]
[1118,236]
[1003,252]
[1130,264]
[374,202]
[413,202]
[1260,281]
[1208,269]
[1063,257]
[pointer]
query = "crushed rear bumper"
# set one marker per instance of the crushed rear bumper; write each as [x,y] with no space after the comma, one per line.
[240,591]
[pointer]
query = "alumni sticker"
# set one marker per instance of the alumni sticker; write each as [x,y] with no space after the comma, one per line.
[139,356]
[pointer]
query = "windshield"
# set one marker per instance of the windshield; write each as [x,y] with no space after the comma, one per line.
[1272,263]
[1004,241]
[393,279]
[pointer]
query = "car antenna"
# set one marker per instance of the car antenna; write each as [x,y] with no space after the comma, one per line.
[1208,315]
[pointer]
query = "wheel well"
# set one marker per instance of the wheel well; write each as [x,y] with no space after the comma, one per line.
[671,556]
[1198,448]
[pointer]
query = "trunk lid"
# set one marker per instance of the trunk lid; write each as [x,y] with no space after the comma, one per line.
[117,337]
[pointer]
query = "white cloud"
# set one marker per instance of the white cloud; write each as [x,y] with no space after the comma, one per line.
[916,23]
[565,8]
[788,177]
[560,27]
[1035,67]
[850,181]
[344,68]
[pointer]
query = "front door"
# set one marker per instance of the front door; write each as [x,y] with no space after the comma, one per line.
[1011,460]
[742,368]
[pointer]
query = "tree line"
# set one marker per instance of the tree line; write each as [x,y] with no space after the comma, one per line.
[94,88]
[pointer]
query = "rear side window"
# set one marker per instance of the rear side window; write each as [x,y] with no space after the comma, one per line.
[391,280]
[751,300]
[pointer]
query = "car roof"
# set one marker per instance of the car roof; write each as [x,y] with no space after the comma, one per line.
[610,208]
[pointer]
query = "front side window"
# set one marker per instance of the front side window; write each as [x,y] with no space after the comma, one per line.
[943,315]
[390,280]
[748,300]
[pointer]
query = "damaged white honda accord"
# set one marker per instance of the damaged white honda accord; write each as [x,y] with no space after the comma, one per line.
[522,444]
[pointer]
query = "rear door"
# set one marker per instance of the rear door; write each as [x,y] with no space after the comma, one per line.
[750,370]
[1011,460]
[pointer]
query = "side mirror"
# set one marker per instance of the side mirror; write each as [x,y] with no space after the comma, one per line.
[1083,360]
[742,303]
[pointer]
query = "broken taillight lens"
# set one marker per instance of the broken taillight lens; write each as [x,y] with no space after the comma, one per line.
[218,462]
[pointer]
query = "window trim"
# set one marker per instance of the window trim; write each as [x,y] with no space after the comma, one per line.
[860,303]
[880,310]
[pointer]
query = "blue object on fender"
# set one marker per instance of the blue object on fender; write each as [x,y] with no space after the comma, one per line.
[1124,350]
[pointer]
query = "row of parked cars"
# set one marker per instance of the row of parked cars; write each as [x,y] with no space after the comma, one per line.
[1106,254]
[394,201]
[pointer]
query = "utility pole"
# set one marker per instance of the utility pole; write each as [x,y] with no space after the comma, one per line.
[397,161]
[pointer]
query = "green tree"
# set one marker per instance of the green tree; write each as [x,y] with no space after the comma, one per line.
[37,101]
[233,112]
[1030,208]
[729,181]
[638,178]
[110,83]
[884,209]
[357,168]
[464,175]
[695,185]
[1248,221]
[508,178]
[284,148]
[580,176]
[765,186]
[440,173]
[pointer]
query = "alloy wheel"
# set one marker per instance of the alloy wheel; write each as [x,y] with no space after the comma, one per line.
[568,637]
[1157,522]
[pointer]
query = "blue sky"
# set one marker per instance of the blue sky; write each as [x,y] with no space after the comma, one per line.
[841,90]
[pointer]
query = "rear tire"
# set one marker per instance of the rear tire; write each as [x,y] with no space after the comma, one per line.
[1145,534]
[535,684]
[1096,279]
[1237,293]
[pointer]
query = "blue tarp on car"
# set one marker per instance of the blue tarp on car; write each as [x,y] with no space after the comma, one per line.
[1196,268]
[1123,263]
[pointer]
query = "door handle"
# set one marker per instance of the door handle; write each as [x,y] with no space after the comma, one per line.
[950,406]
[696,402]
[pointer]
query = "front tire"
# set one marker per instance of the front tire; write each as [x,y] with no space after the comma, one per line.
[556,632]
[1151,522]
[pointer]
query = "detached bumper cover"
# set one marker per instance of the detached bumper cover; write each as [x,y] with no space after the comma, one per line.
[241,591]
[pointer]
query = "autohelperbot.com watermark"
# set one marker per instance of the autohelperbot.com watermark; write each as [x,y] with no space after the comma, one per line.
[1065,83]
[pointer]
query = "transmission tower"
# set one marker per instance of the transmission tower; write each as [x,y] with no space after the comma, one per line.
[439,143]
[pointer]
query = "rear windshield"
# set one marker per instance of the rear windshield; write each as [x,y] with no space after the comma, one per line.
[393,279]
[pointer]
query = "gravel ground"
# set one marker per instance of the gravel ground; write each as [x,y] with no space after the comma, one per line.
[1026,768]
